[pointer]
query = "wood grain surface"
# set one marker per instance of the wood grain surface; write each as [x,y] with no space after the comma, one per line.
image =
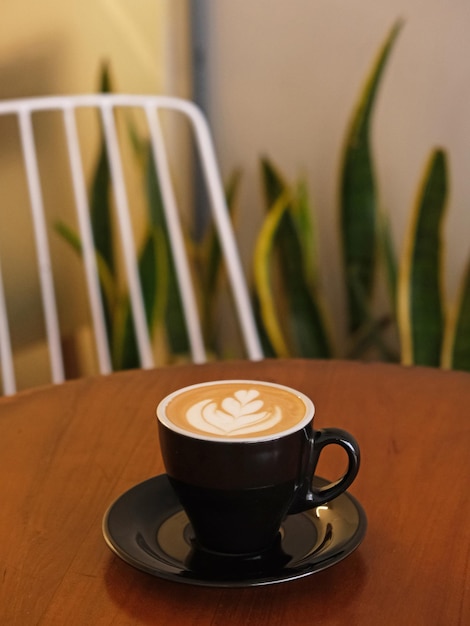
[68,451]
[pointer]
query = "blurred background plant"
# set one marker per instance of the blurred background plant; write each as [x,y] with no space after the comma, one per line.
[419,327]
[162,300]
[294,319]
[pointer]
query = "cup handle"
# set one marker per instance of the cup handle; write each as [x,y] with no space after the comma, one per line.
[308,496]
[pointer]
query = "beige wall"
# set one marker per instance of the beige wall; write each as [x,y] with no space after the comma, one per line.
[55,47]
[283,79]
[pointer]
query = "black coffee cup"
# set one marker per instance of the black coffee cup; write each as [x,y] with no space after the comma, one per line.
[241,456]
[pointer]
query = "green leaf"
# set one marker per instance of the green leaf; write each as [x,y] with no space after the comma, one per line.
[420,310]
[358,193]
[109,289]
[69,235]
[209,256]
[139,143]
[456,350]
[298,251]
[305,316]
[105,80]
[151,267]
[101,216]
[100,193]
[387,251]
[100,209]
[155,208]
[287,242]
[175,322]
[157,274]
[307,233]
[273,183]
[263,259]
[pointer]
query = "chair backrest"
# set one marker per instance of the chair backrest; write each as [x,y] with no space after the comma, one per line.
[107,105]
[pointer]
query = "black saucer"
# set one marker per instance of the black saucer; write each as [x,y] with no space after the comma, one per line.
[148,529]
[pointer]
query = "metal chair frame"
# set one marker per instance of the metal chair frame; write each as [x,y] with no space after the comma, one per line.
[106,104]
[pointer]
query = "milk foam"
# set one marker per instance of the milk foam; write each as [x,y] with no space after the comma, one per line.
[235,410]
[239,414]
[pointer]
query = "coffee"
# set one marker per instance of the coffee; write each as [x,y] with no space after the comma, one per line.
[236,410]
[241,456]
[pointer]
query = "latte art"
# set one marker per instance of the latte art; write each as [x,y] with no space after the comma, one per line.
[235,410]
[240,414]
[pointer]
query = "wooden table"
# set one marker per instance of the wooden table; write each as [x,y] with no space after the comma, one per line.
[67,452]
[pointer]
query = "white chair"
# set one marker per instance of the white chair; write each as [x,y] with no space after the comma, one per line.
[107,104]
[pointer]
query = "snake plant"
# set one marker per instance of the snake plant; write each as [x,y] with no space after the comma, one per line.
[292,314]
[162,301]
[420,301]
[359,203]
[285,263]
[286,274]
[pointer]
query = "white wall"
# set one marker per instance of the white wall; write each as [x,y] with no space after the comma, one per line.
[283,76]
